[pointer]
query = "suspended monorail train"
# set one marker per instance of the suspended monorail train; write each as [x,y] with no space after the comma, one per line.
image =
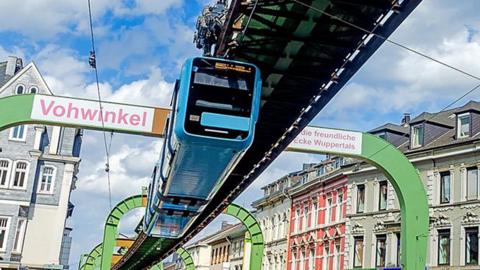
[215,107]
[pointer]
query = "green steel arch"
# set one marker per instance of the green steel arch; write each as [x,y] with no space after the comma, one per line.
[186,258]
[254,234]
[87,261]
[395,166]
[111,227]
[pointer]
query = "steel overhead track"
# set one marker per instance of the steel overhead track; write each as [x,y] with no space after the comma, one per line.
[301,75]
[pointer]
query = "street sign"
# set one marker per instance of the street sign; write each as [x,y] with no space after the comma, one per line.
[83,113]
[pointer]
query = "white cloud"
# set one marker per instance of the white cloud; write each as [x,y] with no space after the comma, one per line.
[147,7]
[44,19]
[124,181]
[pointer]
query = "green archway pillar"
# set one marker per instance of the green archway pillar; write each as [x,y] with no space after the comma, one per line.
[111,227]
[88,261]
[253,237]
[397,168]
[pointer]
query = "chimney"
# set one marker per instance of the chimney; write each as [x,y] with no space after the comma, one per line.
[14,64]
[406,119]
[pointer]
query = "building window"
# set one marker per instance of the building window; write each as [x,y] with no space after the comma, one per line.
[4,172]
[47,179]
[3,233]
[338,162]
[311,259]
[302,260]
[33,90]
[293,264]
[358,249]
[399,250]
[471,245]
[305,217]
[339,209]
[20,175]
[445,187]
[472,183]
[444,247]
[315,214]
[19,235]
[336,256]
[20,89]
[304,178]
[18,133]
[320,170]
[417,137]
[328,213]
[360,198]
[326,256]
[463,126]
[381,251]
[298,221]
[383,195]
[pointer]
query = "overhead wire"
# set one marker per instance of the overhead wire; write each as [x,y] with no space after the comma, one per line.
[93,65]
[396,43]
[409,49]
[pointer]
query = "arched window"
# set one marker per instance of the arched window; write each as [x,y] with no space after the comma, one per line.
[20,89]
[4,172]
[33,89]
[47,179]
[20,175]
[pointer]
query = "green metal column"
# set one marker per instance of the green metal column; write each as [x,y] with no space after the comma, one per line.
[411,194]
[254,234]
[111,227]
[396,167]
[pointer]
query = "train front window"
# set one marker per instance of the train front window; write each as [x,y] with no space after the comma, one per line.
[220,80]
[220,99]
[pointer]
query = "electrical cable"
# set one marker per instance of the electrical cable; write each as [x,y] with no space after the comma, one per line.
[93,64]
[388,40]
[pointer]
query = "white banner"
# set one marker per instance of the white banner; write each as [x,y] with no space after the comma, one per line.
[324,140]
[87,113]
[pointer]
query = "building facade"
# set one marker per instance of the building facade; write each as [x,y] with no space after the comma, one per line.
[273,214]
[223,250]
[444,147]
[317,219]
[38,167]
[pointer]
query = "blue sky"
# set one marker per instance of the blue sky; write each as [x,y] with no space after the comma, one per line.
[141,44]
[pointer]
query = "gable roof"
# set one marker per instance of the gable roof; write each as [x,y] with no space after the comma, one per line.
[3,69]
[390,127]
[441,118]
[30,66]
[470,106]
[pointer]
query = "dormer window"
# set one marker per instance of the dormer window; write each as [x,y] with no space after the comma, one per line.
[382,135]
[417,136]
[20,89]
[463,125]
[33,90]
[320,170]
[304,178]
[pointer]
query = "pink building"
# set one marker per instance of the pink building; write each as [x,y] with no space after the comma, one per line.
[317,220]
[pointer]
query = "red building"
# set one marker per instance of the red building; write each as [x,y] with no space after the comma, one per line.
[317,219]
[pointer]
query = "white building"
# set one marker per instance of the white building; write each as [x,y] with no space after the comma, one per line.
[38,167]
[273,214]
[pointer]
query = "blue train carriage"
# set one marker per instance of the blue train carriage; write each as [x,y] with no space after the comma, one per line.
[215,108]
